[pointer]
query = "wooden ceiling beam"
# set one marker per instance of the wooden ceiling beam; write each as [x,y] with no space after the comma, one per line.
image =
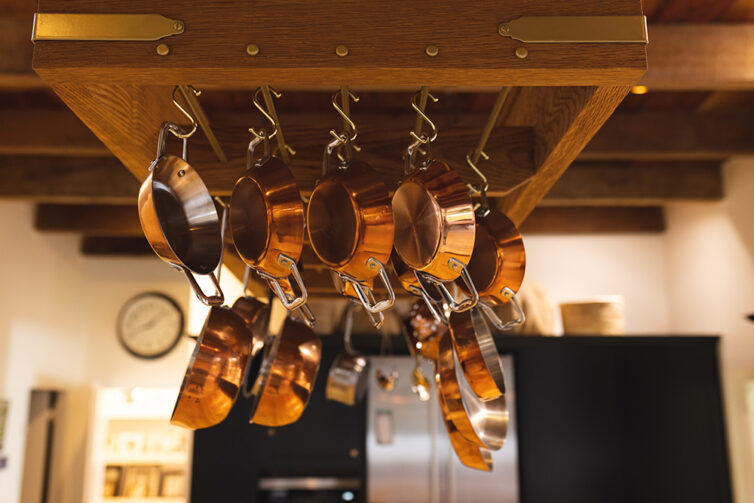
[672,135]
[46,131]
[700,56]
[82,180]
[636,184]
[594,220]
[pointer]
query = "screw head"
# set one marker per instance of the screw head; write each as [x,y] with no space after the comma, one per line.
[522,52]
[181,173]
[163,49]
[341,51]
[252,49]
[504,29]
[432,50]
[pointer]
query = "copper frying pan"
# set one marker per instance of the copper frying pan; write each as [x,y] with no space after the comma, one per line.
[283,375]
[484,423]
[215,371]
[179,218]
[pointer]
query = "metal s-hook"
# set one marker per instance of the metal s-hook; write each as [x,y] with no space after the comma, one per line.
[342,109]
[483,186]
[262,133]
[194,123]
[418,135]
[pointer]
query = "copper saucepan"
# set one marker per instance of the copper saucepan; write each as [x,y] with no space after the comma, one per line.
[434,221]
[484,423]
[215,371]
[497,265]
[350,222]
[423,331]
[349,375]
[410,282]
[179,218]
[267,220]
[283,375]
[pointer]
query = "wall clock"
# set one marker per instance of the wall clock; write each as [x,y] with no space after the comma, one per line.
[150,325]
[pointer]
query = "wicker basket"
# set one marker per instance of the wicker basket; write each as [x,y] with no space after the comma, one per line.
[602,316]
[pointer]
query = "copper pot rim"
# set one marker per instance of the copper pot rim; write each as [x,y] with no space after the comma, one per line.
[333,181]
[263,188]
[149,183]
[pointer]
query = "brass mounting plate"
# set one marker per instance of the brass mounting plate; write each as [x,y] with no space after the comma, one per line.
[576,29]
[121,27]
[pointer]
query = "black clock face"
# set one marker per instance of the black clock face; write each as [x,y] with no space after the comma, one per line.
[150,325]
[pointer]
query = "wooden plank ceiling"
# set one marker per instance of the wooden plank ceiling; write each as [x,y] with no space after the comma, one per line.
[659,148]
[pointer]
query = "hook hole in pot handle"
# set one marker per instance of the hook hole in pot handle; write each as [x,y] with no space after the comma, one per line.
[209,300]
[495,319]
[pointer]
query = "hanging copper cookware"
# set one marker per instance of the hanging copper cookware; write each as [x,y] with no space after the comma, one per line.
[477,353]
[283,375]
[434,221]
[254,313]
[423,331]
[350,221]
[349,374]
[267,218]
[215,371]
[484,423]
[178,216]
[468,453]
[497,265]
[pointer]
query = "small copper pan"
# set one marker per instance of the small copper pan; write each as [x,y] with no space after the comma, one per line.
[497,265]
[215,371]
[434,227]
[423,331]
[283,375]
[484,423]
[267,222]
[468,454]
[179,218]
[350,222]
[477,353]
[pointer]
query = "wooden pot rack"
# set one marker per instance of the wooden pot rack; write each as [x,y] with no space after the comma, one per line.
[568,64]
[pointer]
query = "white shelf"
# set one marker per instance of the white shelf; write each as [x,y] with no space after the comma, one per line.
[179,459]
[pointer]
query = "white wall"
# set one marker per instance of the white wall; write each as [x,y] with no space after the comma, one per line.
[57,331]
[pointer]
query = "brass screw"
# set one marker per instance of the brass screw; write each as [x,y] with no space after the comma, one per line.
[252,49]
[432,50]
[178,26]
[504,29]
[271,432]
[341,51]
[454,266]
[522,52]
[354,453]
[163,49]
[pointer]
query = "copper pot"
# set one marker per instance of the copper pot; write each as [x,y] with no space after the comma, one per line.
[497,265]
[477,354]
[434,228]
[423,331]
[413,285]
[179,218]
[215,371]
[468,453]
[484,423]
[350,225]
[267,223]
[283,375]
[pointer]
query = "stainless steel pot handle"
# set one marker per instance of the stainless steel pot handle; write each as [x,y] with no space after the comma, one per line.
[306,315]
[361,291]
[495,319]
[209,300]
[454,305]
[347,329]
[288,303]
[177,131]
[437,314]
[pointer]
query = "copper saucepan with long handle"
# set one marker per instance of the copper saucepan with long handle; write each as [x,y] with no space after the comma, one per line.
[267,219]
[178,216]
[350,222]
[434,221]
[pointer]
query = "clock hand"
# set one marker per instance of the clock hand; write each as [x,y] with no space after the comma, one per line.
[149,324]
